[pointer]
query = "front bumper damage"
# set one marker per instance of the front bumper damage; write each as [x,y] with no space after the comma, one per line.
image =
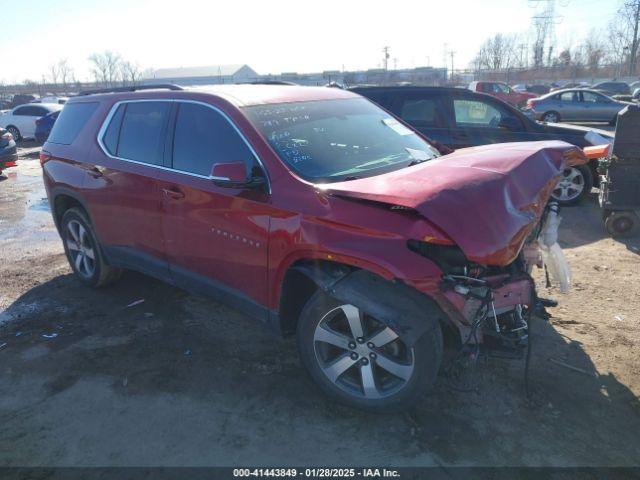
[493,309]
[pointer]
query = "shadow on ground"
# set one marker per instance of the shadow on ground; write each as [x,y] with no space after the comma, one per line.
[181,380]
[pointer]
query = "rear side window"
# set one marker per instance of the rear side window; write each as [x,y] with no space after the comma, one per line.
[421,112]
[70,122]
[204,137]
[137,133]
[110,138]
[568,97]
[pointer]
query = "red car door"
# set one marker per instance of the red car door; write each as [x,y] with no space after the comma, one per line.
[216,237]
[121,185]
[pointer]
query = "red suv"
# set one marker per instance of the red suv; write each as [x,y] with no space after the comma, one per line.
[312,210]
[502,91]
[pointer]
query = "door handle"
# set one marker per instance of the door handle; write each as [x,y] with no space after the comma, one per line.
[173,193]
[95,172]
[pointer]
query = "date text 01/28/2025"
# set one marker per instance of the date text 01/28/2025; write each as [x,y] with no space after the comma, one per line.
[316,473]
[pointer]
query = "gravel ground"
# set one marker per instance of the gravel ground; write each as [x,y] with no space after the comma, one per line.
[180,380]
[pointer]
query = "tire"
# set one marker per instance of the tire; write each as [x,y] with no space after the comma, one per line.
[80,244]
[575,184]
[416,367]
[14,132]
[551,117]
[621,224]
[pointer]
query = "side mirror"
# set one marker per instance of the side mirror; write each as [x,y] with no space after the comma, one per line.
[234,175]
[232,172]
[510,123]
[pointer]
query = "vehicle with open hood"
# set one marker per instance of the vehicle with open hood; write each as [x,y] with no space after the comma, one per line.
[316,212]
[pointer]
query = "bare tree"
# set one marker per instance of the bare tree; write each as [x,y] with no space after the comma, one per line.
[594,50]
[130,73]
[66,72]
[497,53]
[623,37]
[105,67]
[54,72]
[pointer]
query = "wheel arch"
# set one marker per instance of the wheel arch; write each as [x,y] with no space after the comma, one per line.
[62,199]
[403,308]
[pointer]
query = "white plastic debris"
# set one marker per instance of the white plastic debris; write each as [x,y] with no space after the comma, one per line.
[50,335]
[137,302]
[2,345]
[552,255]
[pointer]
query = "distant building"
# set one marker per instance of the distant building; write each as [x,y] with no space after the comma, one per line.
[212,74]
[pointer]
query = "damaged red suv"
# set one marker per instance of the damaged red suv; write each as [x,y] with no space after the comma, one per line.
[312,210]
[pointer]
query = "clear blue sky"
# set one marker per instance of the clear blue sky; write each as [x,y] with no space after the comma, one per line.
[269,35]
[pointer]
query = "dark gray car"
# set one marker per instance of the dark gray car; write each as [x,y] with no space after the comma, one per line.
[573,105]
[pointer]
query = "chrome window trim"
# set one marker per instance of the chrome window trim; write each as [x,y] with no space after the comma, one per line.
[114,108]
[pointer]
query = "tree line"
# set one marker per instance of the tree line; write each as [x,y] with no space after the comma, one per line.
[614,45]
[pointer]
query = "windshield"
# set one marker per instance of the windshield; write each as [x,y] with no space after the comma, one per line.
[334,140]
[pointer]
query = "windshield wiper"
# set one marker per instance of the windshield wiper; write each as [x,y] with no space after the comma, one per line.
[416,162]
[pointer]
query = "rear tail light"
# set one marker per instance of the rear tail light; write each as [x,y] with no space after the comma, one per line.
[10,164]
[44,157]
[7,136]
[531,103]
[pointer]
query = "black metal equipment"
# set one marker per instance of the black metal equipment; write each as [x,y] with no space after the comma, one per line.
[620,176]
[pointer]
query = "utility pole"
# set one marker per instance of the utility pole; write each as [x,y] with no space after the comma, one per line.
[452,53]
[385,58]
[634,41]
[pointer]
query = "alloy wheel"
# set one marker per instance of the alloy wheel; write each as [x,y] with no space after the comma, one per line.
[570,186]
[361,355]
[550,117]
[14,133]
[81,250]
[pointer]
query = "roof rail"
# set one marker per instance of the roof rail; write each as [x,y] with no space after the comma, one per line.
[160,86]
[268,82]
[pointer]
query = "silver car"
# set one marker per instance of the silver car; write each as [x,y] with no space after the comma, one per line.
[573,105]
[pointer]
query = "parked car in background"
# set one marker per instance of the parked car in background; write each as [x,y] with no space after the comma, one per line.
[21,121]
[8,150]
[612,88]
[44,126]
[575,105]
[21,99]
[460,118]
[571,85]
[51,99]
[314,211]
[502,91]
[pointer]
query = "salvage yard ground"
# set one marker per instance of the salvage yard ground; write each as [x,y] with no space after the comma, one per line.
[181,380]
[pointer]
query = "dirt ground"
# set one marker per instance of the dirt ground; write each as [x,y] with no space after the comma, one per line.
[181,380]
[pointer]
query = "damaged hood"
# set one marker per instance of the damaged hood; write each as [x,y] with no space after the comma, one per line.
[486,199]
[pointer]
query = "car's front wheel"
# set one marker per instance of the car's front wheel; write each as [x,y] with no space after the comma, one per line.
[575,183]
[362,362]
[83,250]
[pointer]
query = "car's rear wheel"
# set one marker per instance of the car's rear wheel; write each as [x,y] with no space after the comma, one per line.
[551,117]
[15,133]
[362,362]
[83,250]
[576,182]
